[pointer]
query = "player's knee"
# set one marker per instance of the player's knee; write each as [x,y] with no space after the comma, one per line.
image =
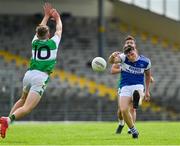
[23,96]
[124,109]
[133,110]
[22,100]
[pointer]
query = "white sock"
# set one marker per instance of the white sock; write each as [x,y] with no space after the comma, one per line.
[8,120]
[121,122]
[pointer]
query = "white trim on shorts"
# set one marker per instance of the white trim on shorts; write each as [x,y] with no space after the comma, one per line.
[127,91]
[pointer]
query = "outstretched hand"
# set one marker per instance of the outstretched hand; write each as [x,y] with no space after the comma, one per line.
[54,14]
[116,54]
[47,9]
[116,57]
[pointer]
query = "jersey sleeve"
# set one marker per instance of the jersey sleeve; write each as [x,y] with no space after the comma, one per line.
[149,65]
[122,57]
[35,38]
[56,39]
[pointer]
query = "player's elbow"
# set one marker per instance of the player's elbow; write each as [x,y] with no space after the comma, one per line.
[58,33]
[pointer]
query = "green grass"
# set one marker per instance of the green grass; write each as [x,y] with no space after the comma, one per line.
[91,133]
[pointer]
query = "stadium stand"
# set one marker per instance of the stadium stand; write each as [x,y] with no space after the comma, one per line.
[66,101]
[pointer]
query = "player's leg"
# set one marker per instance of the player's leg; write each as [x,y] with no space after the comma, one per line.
[120,117]
[133,114]
[35,82]
[19,103]
[124,105]
[38,82]
[121,122]
[137,97]
[32,100]
[5,121]
[125,102]
[26,87]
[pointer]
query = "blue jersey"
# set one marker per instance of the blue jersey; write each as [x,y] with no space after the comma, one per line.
[132,73]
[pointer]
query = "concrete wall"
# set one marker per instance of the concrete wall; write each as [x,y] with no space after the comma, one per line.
[147,21]
[88,8]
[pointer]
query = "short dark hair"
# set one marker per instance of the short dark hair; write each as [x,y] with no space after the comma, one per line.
[42,31]
[129,37]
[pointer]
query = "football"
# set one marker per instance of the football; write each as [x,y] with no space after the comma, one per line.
[98,64]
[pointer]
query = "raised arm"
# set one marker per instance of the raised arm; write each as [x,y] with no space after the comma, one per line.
[48,10]
[57,18]
[47,13]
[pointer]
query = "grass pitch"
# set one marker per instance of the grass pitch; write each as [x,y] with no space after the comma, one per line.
[91,133]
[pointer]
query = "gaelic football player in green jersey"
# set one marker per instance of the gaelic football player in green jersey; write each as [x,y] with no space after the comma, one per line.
[44,53]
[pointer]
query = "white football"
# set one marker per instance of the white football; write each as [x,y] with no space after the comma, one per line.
[99,64]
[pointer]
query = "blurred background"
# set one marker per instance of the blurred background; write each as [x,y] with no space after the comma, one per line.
[92,28]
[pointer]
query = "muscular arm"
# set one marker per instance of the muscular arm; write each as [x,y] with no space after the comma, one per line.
[47,12]
[147,82]
[57,18]
[115,69]
[44,20]
[58,27]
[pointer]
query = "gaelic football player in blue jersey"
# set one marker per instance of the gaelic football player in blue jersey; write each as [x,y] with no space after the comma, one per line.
[116,69]
[134,68]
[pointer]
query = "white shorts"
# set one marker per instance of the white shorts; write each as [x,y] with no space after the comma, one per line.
[35,80]
[127,91]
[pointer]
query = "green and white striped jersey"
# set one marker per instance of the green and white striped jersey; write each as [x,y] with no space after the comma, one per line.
[44,54]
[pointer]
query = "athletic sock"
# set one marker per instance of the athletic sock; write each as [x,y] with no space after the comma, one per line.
[121,122]
[12,118]
[133,130]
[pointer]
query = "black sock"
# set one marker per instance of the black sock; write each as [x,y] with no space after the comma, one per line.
[12,118]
